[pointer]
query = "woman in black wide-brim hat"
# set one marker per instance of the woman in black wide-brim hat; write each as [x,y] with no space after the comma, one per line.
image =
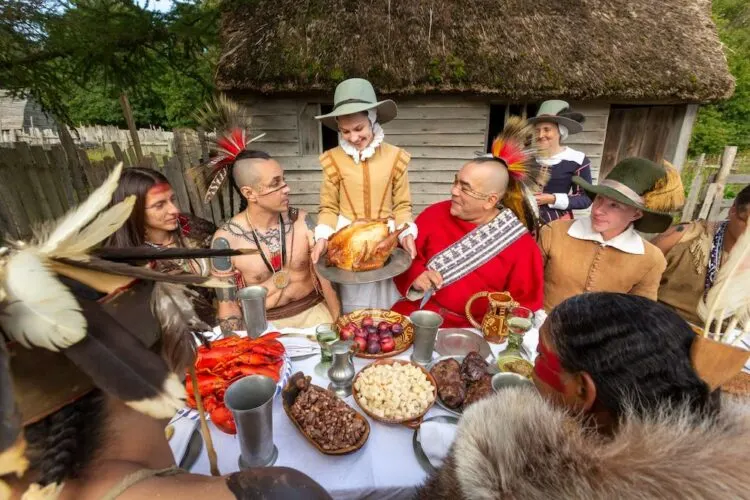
[554,122]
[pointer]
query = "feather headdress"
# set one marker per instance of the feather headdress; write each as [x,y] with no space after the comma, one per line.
[512,148]
[232,123]
[725,311]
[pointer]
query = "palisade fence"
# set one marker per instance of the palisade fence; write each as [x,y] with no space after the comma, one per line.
[42,182]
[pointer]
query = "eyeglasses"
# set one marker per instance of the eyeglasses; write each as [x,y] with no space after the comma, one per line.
[467,189]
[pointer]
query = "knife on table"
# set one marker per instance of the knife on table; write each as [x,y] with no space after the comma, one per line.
[427,296]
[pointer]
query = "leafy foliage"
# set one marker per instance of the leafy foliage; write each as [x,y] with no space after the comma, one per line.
[75,57]
[727,123]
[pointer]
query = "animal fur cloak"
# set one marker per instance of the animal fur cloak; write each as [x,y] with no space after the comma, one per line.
[515,445]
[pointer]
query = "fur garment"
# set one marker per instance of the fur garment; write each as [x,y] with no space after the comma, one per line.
[515,445]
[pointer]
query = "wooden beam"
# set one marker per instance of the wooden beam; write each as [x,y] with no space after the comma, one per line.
[677,147]
[727,160]
[695,189]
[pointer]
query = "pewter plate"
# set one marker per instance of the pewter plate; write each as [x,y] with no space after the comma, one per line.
[397,263]
[460,342]
[419,452]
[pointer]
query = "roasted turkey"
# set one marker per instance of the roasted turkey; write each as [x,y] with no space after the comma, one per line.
[363,245]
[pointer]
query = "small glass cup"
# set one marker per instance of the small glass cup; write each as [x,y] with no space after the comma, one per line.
[520,320]
[326,335]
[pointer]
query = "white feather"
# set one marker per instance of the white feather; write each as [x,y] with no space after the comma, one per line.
[101,228]
[79,217]
[164,406]
[729,297]
[40,310]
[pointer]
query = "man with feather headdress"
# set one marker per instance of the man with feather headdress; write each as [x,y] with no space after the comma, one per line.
[604,252]
[695,251]
[84,393]
[478,241]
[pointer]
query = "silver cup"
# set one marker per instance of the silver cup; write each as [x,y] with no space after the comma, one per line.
[426,324]
[253,302]
[250,400]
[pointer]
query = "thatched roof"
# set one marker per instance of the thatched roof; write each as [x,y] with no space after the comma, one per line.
[619,50]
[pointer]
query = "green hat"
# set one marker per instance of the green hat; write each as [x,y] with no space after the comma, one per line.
[356,95]
[637,182]
[559,112]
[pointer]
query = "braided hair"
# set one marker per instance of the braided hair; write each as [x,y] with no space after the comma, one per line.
[636,350]
[63,444]
[248,154]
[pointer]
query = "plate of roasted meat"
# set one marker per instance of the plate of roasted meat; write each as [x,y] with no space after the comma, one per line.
[326,421]
[461,381]
[363,252]
[228,360]
[377,333]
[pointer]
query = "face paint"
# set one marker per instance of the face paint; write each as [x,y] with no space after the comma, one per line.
[159,188]
[547,368]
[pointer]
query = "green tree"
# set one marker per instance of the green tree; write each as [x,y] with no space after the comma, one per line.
[728,122]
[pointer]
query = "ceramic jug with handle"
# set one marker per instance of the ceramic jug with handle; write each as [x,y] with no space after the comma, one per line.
[494,326]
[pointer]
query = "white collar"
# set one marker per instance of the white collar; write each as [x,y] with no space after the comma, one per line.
[629,241]
[566,153]
[369,151]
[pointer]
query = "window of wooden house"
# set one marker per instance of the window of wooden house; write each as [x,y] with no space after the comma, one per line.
[499,113]
[330,137]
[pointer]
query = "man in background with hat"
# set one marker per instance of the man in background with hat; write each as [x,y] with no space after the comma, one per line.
[695,251]
[603,252]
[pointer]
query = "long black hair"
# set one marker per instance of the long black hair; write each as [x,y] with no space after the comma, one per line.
[636,350]
[135,181]
[62,445]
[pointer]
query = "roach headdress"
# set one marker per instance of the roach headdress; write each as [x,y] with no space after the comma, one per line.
[232,123]
[512,148]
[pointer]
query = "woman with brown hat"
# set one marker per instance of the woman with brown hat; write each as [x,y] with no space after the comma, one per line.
[363,178]
[554,122]
[604,252]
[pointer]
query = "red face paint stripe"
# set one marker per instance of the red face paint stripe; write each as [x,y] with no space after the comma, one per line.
[159,188]
[547,368]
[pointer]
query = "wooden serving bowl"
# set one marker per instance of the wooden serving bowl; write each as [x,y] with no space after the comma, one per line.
[403,341]
[289,396]
[412,422]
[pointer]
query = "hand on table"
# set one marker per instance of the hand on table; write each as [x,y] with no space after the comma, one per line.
[408,244]
[428,279]
[544,198]
[318,250]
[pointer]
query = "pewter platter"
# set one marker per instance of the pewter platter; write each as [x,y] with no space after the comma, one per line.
[397,263]
[453,411]
[460,342]
[419,452]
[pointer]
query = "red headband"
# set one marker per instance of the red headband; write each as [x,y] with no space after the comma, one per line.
[547,368]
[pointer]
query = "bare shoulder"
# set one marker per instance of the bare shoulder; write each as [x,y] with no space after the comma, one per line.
[672,236]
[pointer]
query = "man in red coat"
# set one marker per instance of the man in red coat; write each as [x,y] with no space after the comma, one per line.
[472,244]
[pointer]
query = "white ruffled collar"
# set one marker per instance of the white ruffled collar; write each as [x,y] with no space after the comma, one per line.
[629,241]
[369,151]
[566,153]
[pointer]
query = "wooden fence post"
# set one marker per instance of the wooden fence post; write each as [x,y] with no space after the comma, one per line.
[29,172]
[48,183]
[695,189]
[727,160]
[74,166]
[16,221]
[128,112]
[186,154]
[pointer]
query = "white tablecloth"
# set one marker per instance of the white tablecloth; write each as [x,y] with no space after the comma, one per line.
[384,468]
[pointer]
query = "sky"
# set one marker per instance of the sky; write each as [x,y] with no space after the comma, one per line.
[159,5]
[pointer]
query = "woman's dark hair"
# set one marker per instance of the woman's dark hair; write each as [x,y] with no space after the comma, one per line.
[636,350]
[134,181]
[248,154]
[62,445]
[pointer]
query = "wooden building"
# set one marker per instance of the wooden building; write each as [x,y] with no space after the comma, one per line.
[457,68]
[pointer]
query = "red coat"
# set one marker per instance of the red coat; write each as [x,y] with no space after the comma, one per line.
[517,269]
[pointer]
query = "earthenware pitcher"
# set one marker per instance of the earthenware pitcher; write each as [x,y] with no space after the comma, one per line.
[494,325]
